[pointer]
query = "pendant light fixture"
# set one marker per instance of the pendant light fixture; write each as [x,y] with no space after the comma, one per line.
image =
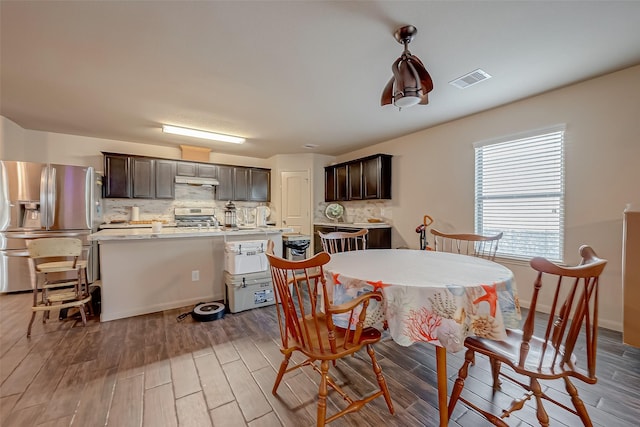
[411,82]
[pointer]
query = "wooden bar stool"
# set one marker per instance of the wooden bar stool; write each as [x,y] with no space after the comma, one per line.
[57,256]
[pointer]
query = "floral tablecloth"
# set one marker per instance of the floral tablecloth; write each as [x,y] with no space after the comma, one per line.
[434,297]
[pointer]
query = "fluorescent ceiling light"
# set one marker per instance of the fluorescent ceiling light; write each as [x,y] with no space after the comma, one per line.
[202,134]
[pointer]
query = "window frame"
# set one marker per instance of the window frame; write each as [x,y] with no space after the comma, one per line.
[554,193]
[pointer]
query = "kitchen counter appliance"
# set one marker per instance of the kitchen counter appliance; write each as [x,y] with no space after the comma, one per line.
[41,200]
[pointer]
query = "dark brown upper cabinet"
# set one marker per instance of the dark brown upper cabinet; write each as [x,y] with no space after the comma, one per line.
[144,179]
[165,174]
[329,183]
[376,177]
[139,177]
[200,170]
[354,174]
[259,185]
[366,178]
[130,176]
[117,180]
[243,184]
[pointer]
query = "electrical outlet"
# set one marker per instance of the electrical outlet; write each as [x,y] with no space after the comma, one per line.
[195,275]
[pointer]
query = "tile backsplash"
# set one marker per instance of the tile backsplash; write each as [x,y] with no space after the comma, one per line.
[187,196]
[359,211]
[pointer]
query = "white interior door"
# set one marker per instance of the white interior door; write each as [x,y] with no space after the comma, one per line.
[296,201]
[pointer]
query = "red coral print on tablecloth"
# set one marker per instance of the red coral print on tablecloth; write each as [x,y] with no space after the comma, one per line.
[490,297]
[422,325]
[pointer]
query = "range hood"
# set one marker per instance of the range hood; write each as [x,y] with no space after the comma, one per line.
[195,180]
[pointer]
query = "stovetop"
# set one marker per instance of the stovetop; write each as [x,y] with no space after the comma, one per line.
[195,217]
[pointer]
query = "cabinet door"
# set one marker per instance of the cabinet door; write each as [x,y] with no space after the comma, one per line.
[259,183]
[354,174]
[165,179]
[379,238]
[207,171]
[224,190]
[329,184]
[241,184]
[117,180]
[376,177]
[143,178]
[186,169]
[342,189]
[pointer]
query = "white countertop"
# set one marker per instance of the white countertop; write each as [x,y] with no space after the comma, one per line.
[179,232]
[357,225]
[120,225]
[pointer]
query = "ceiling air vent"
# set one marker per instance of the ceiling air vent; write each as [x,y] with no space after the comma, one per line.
[470,79]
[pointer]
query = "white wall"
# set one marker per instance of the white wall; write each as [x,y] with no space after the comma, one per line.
[433,171]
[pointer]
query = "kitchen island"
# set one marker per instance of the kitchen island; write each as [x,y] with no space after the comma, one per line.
[143,271]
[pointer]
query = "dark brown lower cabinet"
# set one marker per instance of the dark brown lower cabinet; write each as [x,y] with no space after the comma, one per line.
[377,238]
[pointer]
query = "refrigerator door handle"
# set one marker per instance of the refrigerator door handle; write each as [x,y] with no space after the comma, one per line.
[44,197]
[6,205]
[88,197]
[52,197]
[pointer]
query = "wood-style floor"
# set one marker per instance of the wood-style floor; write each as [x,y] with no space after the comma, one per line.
[154,371]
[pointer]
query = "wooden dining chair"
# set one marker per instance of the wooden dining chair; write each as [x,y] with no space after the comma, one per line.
[305,328]
[342,241]
[58,277]
[467,244]
[569,337]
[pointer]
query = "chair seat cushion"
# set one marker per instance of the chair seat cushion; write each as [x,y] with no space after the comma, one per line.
[60,266]
[538,361]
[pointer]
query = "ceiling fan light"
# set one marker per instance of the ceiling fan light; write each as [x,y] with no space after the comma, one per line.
[411,82]
[404,101]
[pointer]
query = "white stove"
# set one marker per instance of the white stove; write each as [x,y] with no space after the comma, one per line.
[195,217]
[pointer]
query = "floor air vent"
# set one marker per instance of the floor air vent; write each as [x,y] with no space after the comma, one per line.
[470,79]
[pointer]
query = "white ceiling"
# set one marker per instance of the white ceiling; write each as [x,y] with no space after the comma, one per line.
[288,73]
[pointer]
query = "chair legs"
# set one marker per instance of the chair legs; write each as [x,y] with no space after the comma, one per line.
[33,317]
[381,381]
[326,381]
[542,415]
[495,373]
[469,358]
[283,369]
[578,403]
[322,393]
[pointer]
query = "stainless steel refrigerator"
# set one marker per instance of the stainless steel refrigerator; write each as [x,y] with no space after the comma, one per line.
[39,200]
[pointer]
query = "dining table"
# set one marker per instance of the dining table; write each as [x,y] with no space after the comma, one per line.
[434,297]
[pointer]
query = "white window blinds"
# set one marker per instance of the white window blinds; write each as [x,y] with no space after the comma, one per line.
[519,190]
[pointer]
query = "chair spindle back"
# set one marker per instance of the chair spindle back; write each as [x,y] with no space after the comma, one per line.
[340,241]
[574,306]
[467,244]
